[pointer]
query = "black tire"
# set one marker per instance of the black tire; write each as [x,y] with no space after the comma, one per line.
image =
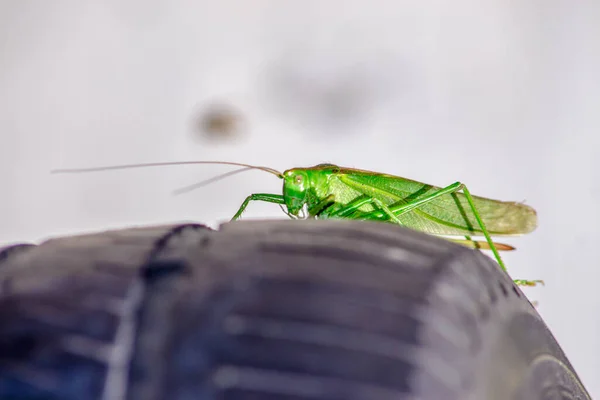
[270,310]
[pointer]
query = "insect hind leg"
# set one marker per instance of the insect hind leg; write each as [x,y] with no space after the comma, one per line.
[453,188]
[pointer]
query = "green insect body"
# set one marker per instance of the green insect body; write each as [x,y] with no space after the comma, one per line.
[327,191]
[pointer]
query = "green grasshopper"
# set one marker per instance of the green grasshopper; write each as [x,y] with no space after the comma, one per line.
[327,191]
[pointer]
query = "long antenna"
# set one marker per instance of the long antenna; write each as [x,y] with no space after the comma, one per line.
[161,164]
[203,183]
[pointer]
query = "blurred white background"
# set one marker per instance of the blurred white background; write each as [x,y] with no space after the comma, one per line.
[500,95]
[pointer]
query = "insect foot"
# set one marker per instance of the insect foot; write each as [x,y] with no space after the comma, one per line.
[524,282]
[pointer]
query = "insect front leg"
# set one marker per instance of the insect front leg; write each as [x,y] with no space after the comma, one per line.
[318,208]
[266,197]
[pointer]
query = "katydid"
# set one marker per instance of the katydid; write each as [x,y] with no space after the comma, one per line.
[327,191]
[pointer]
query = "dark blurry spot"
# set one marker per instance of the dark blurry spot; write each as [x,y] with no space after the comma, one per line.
[219,122]
[323,94]
[333,105]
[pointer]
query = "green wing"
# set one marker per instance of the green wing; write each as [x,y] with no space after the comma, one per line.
[446,215]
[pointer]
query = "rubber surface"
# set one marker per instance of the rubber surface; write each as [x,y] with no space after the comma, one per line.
[263,310]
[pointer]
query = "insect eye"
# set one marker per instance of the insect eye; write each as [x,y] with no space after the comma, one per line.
[299,179]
